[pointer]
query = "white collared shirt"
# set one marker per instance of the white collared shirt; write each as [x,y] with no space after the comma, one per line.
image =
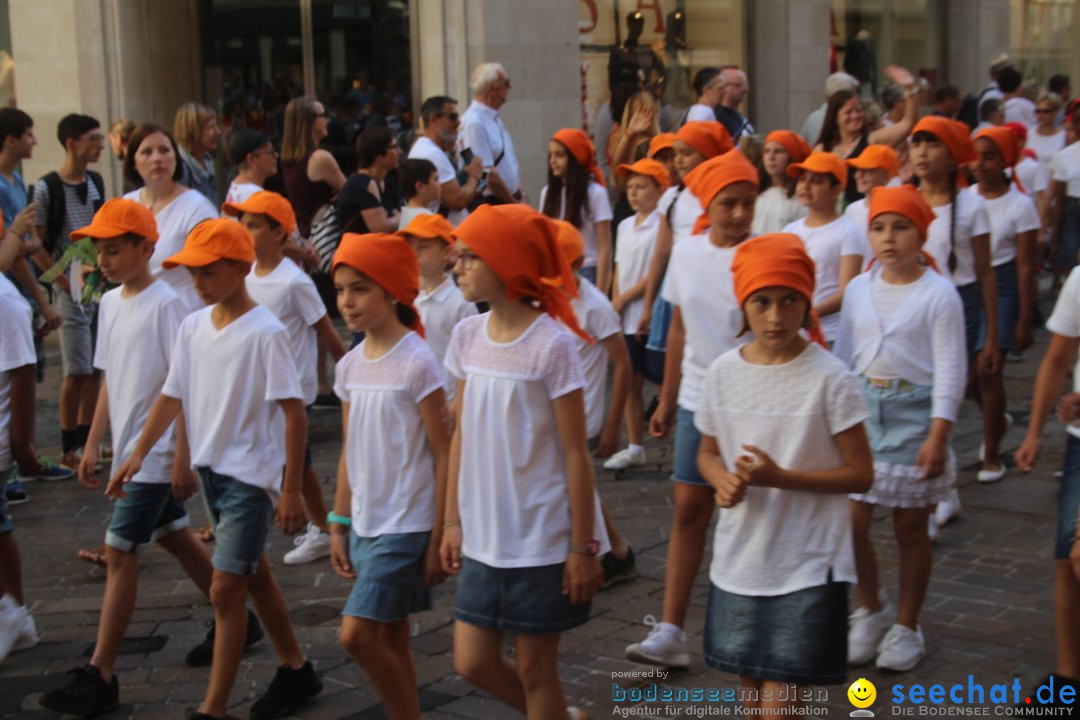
[440,311]
[483,132]
[633,253]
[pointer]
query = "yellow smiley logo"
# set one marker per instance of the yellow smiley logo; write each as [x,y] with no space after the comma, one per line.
[862,693]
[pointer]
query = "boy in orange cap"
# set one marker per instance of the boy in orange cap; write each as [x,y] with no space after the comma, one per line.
[277,283]
[440,302]
[234,377]
[139,323]
[876,166]
[832,240]
[662,150]
[782,444]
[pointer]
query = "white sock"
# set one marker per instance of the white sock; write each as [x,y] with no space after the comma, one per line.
[636,448]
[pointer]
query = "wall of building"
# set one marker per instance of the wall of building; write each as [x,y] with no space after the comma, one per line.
[977,30]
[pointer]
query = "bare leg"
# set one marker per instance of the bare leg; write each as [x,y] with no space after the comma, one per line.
[478,657]
[23,399]
[121,588]
[10,568]
[228,594]
[313,499]
[270,606]
[992,392]
[70,394]
[771,692]
[1067,619]
[866,568]
[537,666]
[751,692]
[192,556]
[382,650]
[916,561]
[618,544]
[694,506]
[635,411]
[88,393]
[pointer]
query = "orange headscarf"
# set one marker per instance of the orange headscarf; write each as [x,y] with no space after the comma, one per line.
[715,174]
[522,247]
[777,260]
[956,137]
[1008,144]
[793,143]
[571,243]
[581,147]
[389,261]
[708,138]
[904,200]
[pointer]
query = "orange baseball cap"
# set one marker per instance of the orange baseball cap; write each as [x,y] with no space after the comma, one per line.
[120,217]
[265,202]
[661,141]
[429,225]
[877,157]
[570,241]
[649,168]
[213,240]
[825,163]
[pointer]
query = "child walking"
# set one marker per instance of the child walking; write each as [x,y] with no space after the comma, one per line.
[575,192]
[389,493]
[876,166]
[834,243]
[420,189]
[646,180]
[777,207]
[901,331]
[705,324]
[278,284]
[782,443]
[233,375]
[523,524]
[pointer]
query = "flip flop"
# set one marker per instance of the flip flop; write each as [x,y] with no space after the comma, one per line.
[94,557]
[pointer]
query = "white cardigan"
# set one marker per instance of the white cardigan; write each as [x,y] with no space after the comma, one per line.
[924,340]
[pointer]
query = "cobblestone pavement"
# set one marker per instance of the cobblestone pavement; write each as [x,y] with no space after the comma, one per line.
[988,611]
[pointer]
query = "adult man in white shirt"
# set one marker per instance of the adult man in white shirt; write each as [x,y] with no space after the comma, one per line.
[441,123]
[483,132]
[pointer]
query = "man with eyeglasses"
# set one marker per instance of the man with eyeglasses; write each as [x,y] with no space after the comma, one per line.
[441,123]
[484,135]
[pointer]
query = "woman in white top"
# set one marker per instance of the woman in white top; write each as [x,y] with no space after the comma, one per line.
[1047,137]
[777,207]
[152,165]
[1064,200]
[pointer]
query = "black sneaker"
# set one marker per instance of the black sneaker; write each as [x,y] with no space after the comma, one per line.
[618,570]
[288,690]
[86,694]
[203,654]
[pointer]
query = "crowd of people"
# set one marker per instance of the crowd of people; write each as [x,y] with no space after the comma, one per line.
[811,306]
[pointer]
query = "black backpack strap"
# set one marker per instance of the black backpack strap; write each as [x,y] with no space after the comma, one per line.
[54,217]
[671,207]
[99,184]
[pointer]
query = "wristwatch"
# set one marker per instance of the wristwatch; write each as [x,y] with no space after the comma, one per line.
[590,548]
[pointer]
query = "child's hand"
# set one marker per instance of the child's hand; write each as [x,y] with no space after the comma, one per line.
[618,304]
[87,468]
[339,555]
[989,360]
[931,458]
[130,468]
[1069,407]
[450,549]
[757,468]
[290,512]
[644,323]
[582,578]
[184,482]
[1023,336]
[730,490]
[608,441]
[1028,452]
[434,574]
[660,422]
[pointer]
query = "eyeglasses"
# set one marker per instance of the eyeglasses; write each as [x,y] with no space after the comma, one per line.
[452,117]
[466,258]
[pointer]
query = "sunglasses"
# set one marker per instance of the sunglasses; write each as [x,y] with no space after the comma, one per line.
[1043,111]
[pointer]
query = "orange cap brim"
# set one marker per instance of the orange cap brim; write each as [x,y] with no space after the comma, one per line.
[100,230]
[192,258]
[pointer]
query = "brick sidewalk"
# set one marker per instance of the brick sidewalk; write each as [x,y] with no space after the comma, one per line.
[988,611]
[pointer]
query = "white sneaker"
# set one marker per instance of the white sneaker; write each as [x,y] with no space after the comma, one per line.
[947,509]
[865,632]
[932,528]
[666,645]
[10,623]
[625,458]
[28,636]
[311,546]
[901,650]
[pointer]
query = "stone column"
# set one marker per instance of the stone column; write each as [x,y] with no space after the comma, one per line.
[976,31]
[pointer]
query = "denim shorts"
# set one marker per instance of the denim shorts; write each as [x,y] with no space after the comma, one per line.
[5,516]
[656,345]
[687,442]
[147,514]
[389,581]
[1008,288]
[525,600]
[971,296]
[1069,244]
[77,334]
[589,273]
[800,637]
[1068,498]
[241,515]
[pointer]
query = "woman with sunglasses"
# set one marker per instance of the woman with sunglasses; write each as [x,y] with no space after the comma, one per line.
[312,175]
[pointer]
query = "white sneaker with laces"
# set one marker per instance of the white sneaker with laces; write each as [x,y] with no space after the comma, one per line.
[625,458]
[947,509]
[311,546]
[866,630]
[666,645]
[11,620]
[28,636]
[901,650]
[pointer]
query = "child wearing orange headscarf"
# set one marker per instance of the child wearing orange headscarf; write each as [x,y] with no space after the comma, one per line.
[901,330]
[777,206]
[575,192]
[386,525]
[523,523]
[783,441]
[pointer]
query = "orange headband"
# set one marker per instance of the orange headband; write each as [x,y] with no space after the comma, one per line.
[956,137]
[1008,144]
[571,244]
[776,260]
[389,261]
[708,138]
[904,200]
[581,147]
[793,144]
[710,177]
[521,246]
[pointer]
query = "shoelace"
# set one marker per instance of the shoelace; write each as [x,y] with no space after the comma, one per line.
[312,532]
[650,621]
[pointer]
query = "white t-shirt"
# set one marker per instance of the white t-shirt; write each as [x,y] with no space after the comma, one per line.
[699,112]
[289,293]
[699,282]
[229,383]
[826,245]
[596,210]
[240,192]
[1021,110]
[135,342]
[440,311]
[633,253]
[596,317]
[512,482]
[424,148]
[774,211]
[1031,175]
[408,214]
[1011,214]
[777,541]
[685,213]
[1065,321]
[16,351]
[389,462]
[1065,168]
[972,220]
[174,222]
[1045,146]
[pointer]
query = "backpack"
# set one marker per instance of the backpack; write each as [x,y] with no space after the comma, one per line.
[54,217]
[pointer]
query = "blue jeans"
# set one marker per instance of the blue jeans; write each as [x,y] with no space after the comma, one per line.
[147,514]
[687,442]
[241,515]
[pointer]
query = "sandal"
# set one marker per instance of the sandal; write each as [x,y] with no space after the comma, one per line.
[94,557]
[205,533]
